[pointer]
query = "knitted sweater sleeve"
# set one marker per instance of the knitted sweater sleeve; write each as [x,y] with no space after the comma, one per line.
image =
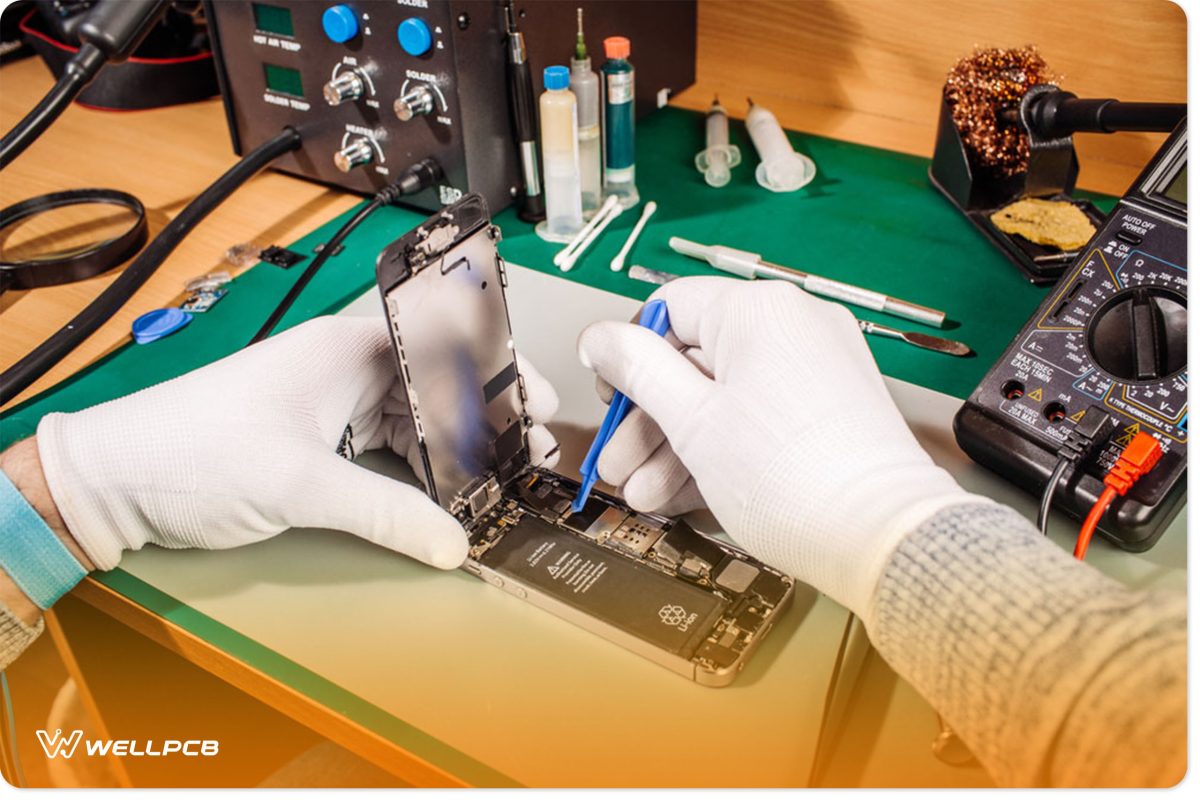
[1052,673]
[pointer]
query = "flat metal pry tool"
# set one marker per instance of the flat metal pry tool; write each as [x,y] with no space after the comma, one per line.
[916,339]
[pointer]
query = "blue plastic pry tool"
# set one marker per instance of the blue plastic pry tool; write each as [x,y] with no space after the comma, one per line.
[654,317]
[154,325]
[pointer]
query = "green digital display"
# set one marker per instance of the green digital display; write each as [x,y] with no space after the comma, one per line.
[284,80]
[273,19]
[1177,189]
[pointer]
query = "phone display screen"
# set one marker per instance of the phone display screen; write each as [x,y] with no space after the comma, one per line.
[451,325]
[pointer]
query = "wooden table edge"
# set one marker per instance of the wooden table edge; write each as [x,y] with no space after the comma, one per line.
[356,738]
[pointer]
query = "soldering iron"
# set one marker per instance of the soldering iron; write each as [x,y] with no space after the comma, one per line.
[110,33]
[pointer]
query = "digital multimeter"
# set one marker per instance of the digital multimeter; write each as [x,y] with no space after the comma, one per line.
[1113,334]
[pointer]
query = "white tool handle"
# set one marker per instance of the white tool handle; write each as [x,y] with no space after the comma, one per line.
[574,244]
[727,259]
[843,291]
[569,262]
[618,263]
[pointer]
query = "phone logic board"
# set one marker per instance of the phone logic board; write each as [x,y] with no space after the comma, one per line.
[653,579]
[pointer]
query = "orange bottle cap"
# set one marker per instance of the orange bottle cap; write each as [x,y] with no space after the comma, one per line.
[616,47]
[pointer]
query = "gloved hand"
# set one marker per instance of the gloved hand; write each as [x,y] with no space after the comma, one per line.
[247,447]
[777,417]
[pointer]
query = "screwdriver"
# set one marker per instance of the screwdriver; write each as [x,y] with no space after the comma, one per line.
[751,265]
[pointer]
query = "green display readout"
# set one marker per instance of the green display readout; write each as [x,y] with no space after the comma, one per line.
[273,19]
[284,80]
[1177,188]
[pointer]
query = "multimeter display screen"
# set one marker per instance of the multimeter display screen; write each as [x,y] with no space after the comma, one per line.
[1176,189]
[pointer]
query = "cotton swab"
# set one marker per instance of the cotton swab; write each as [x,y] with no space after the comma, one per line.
[618,263]
[569,261]
[563,254]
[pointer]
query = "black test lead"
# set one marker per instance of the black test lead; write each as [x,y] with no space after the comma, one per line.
[532,205]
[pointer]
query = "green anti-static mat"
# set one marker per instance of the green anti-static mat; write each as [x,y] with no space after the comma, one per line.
[869,218]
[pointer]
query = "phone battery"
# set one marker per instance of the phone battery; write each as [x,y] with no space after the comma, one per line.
[669,613]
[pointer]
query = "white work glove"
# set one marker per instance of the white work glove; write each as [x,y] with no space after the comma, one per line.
[777,417]
[247,447]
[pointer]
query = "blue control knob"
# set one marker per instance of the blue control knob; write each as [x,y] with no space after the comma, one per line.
[415,38]
[340,23]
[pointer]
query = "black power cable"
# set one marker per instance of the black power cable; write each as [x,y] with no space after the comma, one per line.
[78,74]
[1082,443]
[20,375]
[418,177]
[1056,475]
[111,32]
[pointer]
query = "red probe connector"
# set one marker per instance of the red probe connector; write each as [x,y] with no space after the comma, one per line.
[1138,458]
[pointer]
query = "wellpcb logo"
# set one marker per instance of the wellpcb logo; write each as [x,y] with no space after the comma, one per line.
[58,745]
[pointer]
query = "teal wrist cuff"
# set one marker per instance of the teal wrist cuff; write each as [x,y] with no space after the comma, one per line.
[32,555]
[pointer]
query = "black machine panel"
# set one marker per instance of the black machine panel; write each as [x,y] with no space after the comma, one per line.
[1112,333]
[374,85]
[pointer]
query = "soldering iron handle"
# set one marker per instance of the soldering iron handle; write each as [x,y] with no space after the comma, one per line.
[1059,113]
[523,106]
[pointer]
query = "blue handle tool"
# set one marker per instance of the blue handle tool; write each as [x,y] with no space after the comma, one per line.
[654,317]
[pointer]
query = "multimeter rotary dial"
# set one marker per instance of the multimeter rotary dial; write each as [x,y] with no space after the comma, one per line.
[1140,334]
[1114,334]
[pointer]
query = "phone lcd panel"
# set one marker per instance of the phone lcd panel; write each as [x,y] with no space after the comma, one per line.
[451,324]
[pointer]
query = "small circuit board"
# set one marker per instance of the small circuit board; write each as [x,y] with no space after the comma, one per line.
[650,576]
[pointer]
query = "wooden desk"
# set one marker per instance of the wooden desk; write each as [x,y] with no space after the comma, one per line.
[163,157]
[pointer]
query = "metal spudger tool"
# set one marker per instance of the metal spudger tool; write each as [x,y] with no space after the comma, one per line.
[654,317]
[916,339]
[751,265]
[532,206]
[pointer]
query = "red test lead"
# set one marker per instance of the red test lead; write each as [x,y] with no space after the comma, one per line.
[1138,458]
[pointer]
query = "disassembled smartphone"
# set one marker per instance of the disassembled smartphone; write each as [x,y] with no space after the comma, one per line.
[654,585]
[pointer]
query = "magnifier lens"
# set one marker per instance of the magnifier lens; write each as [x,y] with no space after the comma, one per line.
[63,232]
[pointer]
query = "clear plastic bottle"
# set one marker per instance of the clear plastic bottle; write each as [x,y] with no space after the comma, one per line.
[560,158]
[586,86]
[618,88]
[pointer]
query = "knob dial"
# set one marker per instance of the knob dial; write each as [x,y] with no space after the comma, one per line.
[347,86]
[356,153]
[1141,334]
[416,101]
